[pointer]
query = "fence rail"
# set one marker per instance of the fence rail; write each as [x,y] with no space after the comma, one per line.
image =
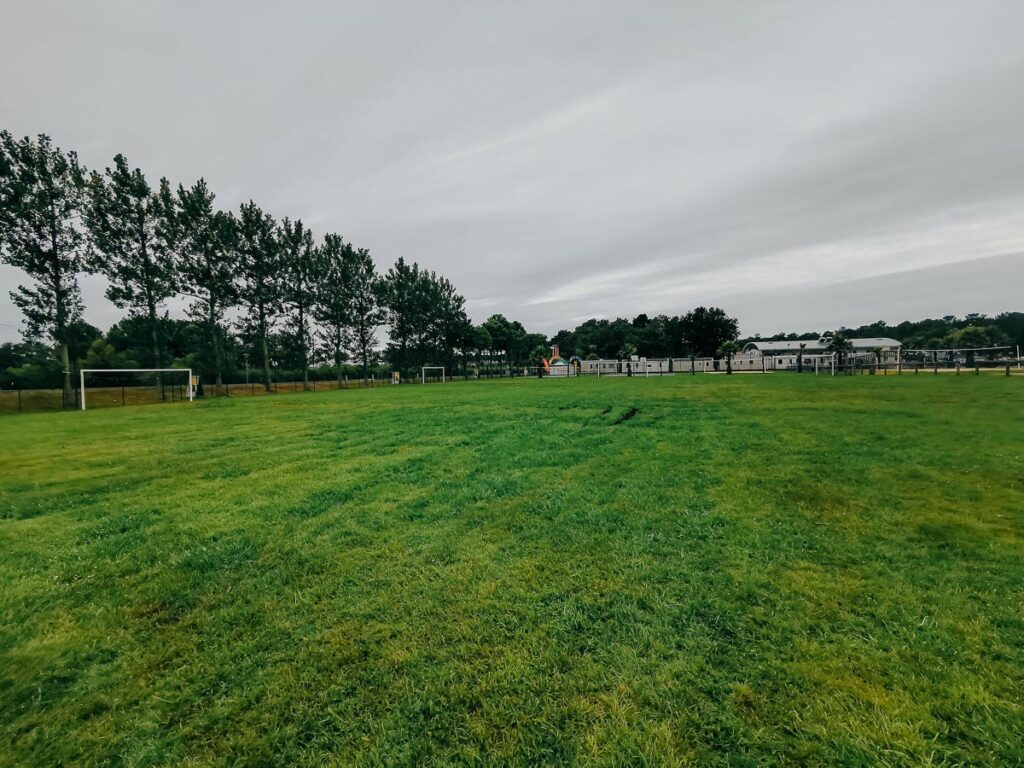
[13,401]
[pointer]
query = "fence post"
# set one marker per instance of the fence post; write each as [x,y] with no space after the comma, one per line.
[122,395]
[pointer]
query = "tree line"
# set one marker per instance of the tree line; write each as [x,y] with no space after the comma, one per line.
[269,291]
[973,330]
[253,283]
[701,332]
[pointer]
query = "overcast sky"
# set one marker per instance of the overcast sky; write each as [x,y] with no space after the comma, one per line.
[804,165]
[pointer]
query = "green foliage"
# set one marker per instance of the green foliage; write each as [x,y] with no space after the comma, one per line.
[705,329]
[260,270]
[727,350]
[102,354]
[1006,328]
[426,317]
[132,229]
[41,200]
[363,313]
[700,332]
[332,307]
[770,570]
[303,272]
[29,365]
[205,241]
[840,346]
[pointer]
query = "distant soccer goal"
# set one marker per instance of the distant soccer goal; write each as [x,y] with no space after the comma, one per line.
[423,373]
[135,386]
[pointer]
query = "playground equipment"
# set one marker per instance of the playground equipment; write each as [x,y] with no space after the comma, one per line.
[557,365]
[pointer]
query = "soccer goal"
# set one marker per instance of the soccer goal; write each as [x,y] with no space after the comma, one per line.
[423,373]
[135,386]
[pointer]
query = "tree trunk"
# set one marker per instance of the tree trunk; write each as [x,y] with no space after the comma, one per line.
[60,334]
[303,350]
[265,352]
[154,337]
[218,358]
[65,361]
[337,357]
[365,352]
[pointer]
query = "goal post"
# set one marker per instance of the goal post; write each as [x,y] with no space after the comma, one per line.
[189,385]
[423,372]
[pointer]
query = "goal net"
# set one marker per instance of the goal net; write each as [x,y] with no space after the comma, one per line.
[432,373]
[105,387]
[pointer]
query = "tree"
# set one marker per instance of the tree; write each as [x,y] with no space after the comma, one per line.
[727,350]
[331,309]
[365,313]
[348,301]
[706,329]
[301,276]
[132,229]
[29,365]
[503,336]
[970,338]
[205,241]
[402,301]
[481,342]
[840,346]
[41,199]
[259,264]
[448,323]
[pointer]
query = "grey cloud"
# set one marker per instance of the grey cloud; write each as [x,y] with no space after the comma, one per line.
[559,161]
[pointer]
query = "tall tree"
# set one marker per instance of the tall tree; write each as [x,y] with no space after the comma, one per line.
[501,333]
[41,199]
[447,309]
[131,226]
[259,290]
[332,299]
[402,301]
[301,275]
[206,241]
[365,314]
[706,329]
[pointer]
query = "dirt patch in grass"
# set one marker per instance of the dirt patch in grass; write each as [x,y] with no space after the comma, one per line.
[629,414]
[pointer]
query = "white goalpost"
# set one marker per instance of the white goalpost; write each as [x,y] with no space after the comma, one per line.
[423,372]
[81,377]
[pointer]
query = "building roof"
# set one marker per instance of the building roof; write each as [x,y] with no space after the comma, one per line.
[818,345]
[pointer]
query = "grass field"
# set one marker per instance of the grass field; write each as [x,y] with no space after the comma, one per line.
[745,570]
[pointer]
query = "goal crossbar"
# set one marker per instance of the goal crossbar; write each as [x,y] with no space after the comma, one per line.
[83,371]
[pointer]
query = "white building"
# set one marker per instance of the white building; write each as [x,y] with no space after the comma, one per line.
[784,353]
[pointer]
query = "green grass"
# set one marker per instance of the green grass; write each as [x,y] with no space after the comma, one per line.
[751,570]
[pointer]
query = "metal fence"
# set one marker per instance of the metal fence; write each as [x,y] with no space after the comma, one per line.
[13,401]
